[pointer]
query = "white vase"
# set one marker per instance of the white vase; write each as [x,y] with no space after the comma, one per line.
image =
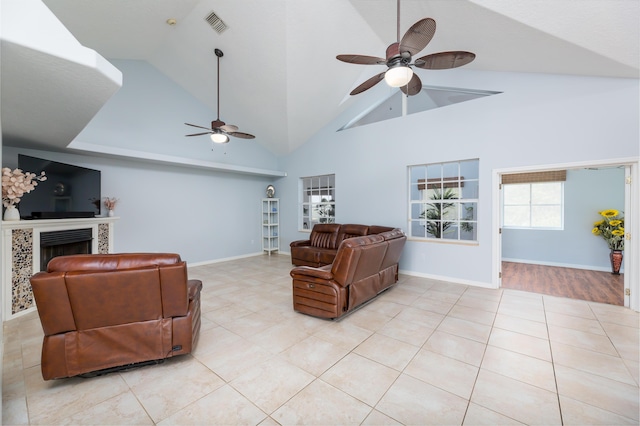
[11,213]
[110,213]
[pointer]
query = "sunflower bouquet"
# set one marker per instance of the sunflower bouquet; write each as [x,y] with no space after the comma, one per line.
[611,228]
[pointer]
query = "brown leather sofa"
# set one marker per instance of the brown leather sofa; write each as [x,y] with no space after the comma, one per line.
[363,268]
[114,310]
[321,247]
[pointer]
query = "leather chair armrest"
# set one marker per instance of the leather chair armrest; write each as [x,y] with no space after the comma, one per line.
[324,272]
[194,287]
[300,243]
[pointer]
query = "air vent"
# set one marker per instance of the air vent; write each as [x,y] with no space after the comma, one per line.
[216,23]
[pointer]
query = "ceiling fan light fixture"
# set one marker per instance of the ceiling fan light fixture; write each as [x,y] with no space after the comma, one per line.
[398,76]
[219,138]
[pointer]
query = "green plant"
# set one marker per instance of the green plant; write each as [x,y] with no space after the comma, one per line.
[326,212]
[467,226]
[435,212]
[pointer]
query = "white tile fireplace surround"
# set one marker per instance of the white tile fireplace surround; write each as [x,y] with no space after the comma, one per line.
[21,248]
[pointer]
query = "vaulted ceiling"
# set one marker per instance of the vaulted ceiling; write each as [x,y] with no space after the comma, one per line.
[280,79]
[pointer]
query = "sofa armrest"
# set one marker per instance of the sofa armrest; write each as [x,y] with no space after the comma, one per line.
[54,308]
[324,272]
[300,243]
[194,287]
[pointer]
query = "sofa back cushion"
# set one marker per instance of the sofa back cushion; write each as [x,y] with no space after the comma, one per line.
[377,229]
[109,262]
[102,299]
[78,295]
[395,240]
[357,258]
[325,235]
[351,231]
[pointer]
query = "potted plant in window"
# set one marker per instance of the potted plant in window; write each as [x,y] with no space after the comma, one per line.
[611,228]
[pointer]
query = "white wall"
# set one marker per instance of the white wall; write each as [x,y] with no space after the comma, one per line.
[537,120]
[586,192]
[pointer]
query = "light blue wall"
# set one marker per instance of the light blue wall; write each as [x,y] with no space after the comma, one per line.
[586,192]
[148,114]
[200,214]
[537,120]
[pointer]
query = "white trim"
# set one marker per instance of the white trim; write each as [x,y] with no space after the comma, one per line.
[224,259]
[447,279]
[632,246]
[113,151]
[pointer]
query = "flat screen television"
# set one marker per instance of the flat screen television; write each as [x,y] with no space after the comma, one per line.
[69,191]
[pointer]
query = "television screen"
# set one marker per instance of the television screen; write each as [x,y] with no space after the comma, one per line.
[69,191]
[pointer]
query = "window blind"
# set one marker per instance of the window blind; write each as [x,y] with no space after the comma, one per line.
[535,177]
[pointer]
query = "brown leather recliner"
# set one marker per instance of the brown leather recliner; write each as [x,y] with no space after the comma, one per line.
[321,247]
[362,269]
[112,310]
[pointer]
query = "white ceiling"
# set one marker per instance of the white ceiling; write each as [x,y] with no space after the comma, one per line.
[279,76]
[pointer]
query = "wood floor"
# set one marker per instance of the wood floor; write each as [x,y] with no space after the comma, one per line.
[594,286]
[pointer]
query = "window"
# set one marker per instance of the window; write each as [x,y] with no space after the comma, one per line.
[443,201]
[533,205]
[430,97]
[317,201]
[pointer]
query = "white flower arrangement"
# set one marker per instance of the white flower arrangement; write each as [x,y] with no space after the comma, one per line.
[16,183]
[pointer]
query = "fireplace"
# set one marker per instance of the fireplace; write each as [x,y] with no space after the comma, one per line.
[62,243]
[28,245]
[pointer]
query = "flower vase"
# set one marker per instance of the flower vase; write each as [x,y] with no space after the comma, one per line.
[11,213]
[616,261]
[110,213]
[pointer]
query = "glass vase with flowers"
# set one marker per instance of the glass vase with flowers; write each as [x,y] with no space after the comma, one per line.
[16,183]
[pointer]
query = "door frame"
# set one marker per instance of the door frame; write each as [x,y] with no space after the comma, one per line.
[632,219]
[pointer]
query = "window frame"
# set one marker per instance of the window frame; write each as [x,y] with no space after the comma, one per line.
[316,201]
[531,206]
[436,218]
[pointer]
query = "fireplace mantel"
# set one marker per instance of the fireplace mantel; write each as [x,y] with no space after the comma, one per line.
[21,255]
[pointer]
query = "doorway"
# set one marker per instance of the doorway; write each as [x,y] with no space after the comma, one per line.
[569,261]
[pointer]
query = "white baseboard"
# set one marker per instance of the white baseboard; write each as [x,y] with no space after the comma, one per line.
[447,279]
[226,259]
[561,265]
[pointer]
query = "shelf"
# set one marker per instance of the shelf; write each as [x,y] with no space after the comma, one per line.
[270,224]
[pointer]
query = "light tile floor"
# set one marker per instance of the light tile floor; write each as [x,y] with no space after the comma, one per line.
[424,352]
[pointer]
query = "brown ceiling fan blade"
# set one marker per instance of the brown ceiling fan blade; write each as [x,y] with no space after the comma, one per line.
[361,59]
[199,134]
[229,128]
[418,36]
[413,87]
[444,60]
[241,135]
[199,127]
[368,84]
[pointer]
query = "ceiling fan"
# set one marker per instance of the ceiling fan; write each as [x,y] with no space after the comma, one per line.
[398,59]
[220,131]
